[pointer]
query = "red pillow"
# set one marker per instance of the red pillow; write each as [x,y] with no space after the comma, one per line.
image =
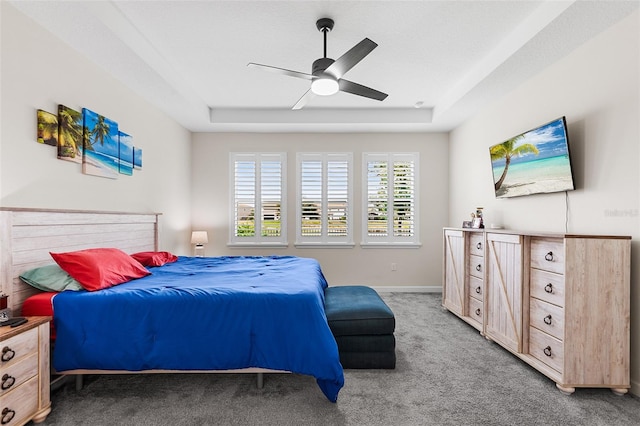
[100,268]
[154,258]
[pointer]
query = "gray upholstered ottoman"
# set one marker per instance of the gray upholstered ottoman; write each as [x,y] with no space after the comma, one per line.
[362,325]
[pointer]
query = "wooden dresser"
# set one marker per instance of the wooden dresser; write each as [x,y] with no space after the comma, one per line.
[24,372]
[560,303]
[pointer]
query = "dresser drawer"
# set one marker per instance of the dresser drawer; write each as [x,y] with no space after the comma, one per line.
[475,287]
[546,348]
[475,310]
[476,267]
[19,404]
[547,254]
[17,347]
[547,286]
[547,318]
[476,244]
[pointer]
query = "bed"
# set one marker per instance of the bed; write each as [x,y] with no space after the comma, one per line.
[194,315]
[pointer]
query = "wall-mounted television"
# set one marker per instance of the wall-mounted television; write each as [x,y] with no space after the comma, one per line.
[533,162]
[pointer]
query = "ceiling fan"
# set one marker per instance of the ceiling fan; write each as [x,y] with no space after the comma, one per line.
[326,73]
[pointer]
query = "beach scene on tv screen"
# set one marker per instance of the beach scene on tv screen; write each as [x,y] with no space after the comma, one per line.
[534,162]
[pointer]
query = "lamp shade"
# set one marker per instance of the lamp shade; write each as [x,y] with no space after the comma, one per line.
[199,237]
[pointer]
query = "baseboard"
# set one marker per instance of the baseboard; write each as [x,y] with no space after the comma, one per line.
[408,289]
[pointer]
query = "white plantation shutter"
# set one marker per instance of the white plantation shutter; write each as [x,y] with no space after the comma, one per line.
[258,201]
[325,186]
[390,199]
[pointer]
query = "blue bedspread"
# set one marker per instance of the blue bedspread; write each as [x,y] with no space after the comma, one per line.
[215,313]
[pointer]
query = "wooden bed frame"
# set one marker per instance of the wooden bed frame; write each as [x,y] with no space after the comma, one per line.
[28,235]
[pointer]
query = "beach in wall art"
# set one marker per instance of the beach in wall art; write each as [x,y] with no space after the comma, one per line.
[69,134]
[47,128]
[125,163]
[533,162]
[137,158]
[101,146]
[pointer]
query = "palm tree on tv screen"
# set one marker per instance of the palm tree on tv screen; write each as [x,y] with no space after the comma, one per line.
[507,151]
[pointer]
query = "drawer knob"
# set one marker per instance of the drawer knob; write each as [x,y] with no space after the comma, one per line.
[478,289]
[7,381]
[549,257]
[7,354]
[547,319]
[547,351]
[478,312]
[7,415]
[478,267]
[479,246]
[548,288]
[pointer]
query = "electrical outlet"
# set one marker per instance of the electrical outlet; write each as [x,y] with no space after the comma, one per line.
[394,266]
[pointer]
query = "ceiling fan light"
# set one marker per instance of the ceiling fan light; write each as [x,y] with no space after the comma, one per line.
[324,86]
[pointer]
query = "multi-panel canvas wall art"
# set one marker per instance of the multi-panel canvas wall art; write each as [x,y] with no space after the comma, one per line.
[125,157]
[137,158]
[90,139]
[47,128]
[101,145]
[69,134]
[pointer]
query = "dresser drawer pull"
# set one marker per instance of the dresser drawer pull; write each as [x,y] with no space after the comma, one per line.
[547,319]
[547,351]
[478,312]
[478,289]
[549,257]
[479,246]
[7,381]
[478,267]
[548,288]
[7,354]
[7,415]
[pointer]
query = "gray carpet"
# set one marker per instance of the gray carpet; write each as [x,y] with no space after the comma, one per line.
[447,374]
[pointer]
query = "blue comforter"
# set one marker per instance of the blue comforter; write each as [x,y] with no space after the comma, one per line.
[215,313]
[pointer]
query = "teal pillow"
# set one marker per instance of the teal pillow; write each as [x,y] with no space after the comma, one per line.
[50,278]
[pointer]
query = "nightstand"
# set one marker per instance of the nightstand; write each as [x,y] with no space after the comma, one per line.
[24,372]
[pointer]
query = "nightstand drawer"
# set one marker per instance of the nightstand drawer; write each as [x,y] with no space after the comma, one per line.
[547,254]
[16,347]
[547,318]
[547,286]
[546,348]
[19,404]
[17,373]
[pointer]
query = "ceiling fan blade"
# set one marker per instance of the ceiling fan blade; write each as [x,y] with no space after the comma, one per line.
[360,90]
[304,99]
[347,61]
[277,70]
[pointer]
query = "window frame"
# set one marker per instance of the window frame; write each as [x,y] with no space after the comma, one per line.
[325,240]
[258,240]
[390,240]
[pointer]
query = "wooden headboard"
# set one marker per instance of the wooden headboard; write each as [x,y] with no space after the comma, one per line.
[28,235]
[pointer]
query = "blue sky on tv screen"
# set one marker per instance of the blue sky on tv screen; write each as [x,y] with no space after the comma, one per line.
[550,139]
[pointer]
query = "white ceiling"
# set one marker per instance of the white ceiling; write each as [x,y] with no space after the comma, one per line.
[450,57]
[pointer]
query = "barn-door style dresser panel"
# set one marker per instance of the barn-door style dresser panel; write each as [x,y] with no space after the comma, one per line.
[558,302]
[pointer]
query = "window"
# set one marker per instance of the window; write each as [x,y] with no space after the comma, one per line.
[258,199]
[324,208]
[390,199]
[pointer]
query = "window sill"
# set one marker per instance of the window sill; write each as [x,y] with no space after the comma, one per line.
[325,245]
[390,245]
[257,245]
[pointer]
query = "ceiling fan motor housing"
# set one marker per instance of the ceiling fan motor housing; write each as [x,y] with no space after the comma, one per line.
[320,65]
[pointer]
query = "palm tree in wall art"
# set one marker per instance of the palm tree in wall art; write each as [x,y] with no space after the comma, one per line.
[69,134]
[507,150]
[47,128]
[101,149]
